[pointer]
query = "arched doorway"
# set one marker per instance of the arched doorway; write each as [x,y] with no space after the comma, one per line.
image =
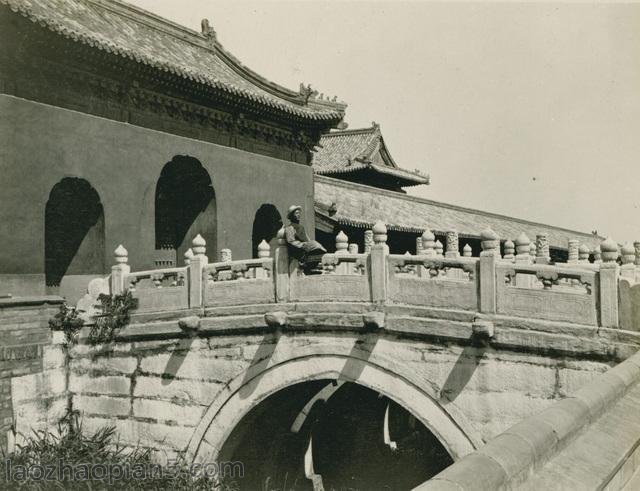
[73,232]
[340,434]
[266,224]
[185,206]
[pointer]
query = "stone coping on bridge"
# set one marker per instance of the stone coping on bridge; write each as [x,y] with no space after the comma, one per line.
[590,440]
[406,321]
[522,284]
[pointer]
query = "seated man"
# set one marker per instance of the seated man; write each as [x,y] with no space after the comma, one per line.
[307,252]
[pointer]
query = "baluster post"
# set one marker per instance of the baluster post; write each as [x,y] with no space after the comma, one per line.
[609,273]
[583,254]
[467,251]
[196,271]
[281,268]
[628,268]
[490,253]
[524,257]
[452,244]
[379,266]
[120,270]
[368,241]
[342,249]
[542,249]
[574,251]
[264,252]
[509,250]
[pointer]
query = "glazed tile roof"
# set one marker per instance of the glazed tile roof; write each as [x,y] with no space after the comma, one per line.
[361,206]
[348,151]
[130,32]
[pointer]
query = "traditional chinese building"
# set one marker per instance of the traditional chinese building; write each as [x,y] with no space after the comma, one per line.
[119,126]
[357,183]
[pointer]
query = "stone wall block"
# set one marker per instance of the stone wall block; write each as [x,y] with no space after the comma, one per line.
[163,411]
[108,364]
[84,384]
[187,391]
[105,405]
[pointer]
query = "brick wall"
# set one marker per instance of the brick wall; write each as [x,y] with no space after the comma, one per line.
[24,334]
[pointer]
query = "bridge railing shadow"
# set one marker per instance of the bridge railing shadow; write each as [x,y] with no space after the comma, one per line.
[521,282]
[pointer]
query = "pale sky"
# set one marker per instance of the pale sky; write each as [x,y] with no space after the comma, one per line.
[526,109]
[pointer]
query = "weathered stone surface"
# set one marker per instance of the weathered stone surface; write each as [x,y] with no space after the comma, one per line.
[85,384]
[189,391]
[192,366]
[49,383]
[153,435]
[103,405]
[163,411]
[106,364]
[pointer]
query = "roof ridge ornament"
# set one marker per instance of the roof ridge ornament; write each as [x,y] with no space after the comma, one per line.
[208,31]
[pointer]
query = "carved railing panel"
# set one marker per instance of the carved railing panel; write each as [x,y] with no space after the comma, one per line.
[345,277]
[547,292]
[160,289]
[434,281]
[239,282]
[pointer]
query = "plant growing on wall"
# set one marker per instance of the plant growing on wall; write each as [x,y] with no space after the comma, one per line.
[69,322]
[114,316]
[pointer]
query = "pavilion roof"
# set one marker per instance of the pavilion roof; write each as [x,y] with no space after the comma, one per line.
[130,32]
[360,206]
[360,150]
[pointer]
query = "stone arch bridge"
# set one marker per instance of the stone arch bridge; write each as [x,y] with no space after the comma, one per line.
[350,374]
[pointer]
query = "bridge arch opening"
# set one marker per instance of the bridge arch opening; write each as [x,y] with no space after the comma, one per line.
[73,231]
[250,388]
[339,434]
[185,205]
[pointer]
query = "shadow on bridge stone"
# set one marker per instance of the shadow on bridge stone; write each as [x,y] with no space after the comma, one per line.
[259,362]
[361,351]
[462,372]
[176,359]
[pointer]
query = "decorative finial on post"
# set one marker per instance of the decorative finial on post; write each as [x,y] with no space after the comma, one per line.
[628,253]
[199,246]
[418,245]
[121,255]
[353,248]
[452,244]
[264,250]
[226,255]
[523,246]
[574,251]
[120,270]
[490,242]
[597,254]
[439,249]
[188,256]
[532,250]
[609,250]
[542,249]
[583,254]
[428,243]
[466,251]
[368,241]
[380,233]
[509,250]
[342,243]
